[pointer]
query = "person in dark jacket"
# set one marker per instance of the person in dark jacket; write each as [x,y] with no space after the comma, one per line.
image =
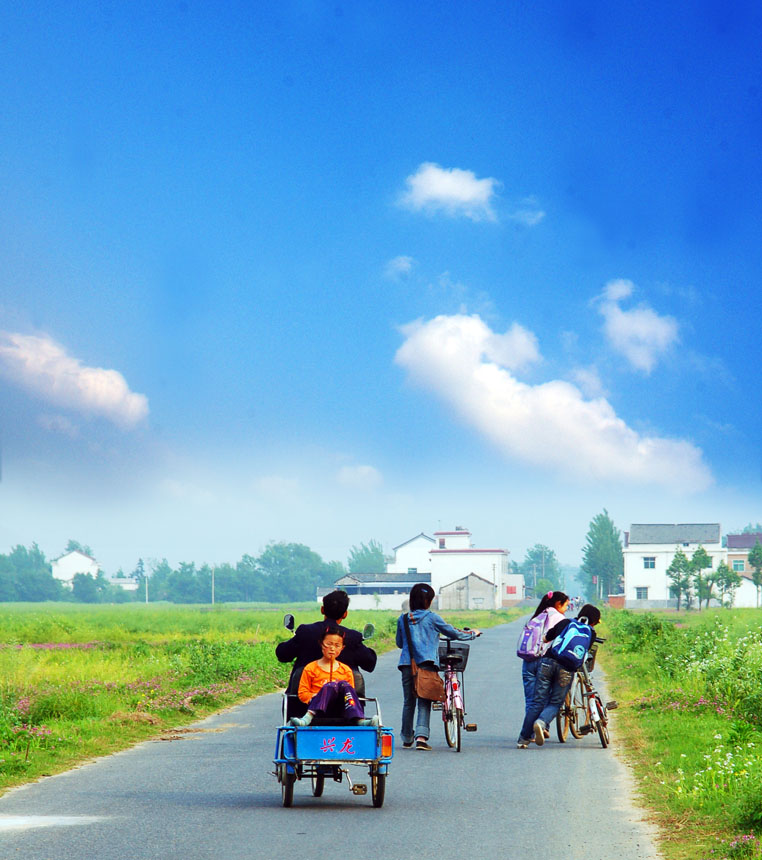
[304,646]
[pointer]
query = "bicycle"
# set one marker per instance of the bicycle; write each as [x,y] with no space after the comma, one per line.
[583,711]
[453,656]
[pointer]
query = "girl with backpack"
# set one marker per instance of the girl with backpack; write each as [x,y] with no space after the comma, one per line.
[532,645]
[570,641]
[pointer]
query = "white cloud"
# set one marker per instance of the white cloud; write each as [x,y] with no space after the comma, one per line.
[359,477]
[42,366]
[398,267]
[588,380]
[550,425]
[528,213]
[641,335]
[456,192]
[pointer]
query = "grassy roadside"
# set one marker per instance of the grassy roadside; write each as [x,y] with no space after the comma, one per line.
[690,720]
[77,682]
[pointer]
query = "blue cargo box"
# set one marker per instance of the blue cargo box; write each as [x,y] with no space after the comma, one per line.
[334,743]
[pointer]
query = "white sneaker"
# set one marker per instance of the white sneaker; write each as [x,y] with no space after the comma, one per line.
[539,732]
[369,721]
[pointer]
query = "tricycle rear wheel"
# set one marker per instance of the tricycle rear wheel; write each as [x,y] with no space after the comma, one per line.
[377,787]
[318,784]
[287,781]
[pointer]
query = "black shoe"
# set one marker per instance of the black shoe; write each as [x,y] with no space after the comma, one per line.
[421,744]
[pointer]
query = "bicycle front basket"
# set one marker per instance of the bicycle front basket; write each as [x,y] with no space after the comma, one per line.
[455,652]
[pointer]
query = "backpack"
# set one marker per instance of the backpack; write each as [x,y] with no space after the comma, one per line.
[570,646]
[532,637]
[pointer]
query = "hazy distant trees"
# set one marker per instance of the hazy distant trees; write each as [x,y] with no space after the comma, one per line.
[541,568]
[367,558]
[602,559]
[281,573]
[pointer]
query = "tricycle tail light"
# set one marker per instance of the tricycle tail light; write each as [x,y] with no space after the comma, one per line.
[386,745]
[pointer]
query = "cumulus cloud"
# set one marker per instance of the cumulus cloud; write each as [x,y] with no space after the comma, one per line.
[641,335]
[588,380]
[40,365]
[359,477]
[550,425]
[453,191]
[398,267]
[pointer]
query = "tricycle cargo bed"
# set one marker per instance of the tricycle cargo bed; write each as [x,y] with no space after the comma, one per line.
[333,743]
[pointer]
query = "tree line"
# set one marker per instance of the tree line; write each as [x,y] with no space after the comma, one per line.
[281,573]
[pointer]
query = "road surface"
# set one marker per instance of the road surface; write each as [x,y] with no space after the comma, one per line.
[210,793]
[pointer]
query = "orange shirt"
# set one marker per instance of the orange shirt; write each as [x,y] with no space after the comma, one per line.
[313,678]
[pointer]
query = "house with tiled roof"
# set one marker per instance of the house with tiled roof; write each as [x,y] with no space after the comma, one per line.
[649,549]
[446,559]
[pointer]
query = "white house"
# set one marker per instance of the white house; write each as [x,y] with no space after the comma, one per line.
[447,558]
[70,563]
[648,551]
[454,557]
[738,548]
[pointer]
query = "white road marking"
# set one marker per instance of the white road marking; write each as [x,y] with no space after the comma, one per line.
[28,822]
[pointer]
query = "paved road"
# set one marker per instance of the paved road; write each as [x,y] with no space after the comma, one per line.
[210,793]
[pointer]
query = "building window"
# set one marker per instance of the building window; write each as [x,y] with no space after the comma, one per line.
[649,562]
[441,543]
[641,593]
[510,589]
[413,570]
[738,565]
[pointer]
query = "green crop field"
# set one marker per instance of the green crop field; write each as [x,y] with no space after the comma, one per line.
[77,681]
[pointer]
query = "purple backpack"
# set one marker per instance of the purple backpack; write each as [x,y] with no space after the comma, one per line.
[532,637]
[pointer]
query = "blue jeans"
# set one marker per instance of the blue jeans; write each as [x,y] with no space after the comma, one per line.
[553,682]
[409,703]
[529,669]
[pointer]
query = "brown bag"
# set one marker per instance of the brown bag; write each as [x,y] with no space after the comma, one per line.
[428,683]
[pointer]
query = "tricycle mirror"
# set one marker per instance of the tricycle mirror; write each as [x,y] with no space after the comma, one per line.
[288,621]
[368,631]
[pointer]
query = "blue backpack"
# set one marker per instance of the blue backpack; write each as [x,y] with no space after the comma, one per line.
[570,646]
[532,637]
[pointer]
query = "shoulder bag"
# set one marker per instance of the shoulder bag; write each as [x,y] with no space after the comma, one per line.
[428,684]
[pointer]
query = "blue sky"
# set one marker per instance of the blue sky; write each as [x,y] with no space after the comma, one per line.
[328,272]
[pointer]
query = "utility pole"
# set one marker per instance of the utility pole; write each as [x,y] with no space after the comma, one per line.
[146,582]
[212,585]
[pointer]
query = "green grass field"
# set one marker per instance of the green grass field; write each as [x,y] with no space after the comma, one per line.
[78,681]
[690,716]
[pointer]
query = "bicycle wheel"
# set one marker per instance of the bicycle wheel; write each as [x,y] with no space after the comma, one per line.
[377,787]
[449,717]
[459,721]
[578,716]
[602,726]
[564,719]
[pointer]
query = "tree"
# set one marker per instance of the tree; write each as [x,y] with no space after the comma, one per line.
[84,588]
[33,576]
[541,568]
[728,580]
[367,558]
[755,560]
[700,560]
[679,573]
[602,560]
[292,572]
[76,546]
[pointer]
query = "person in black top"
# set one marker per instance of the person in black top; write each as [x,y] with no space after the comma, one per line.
[304,645]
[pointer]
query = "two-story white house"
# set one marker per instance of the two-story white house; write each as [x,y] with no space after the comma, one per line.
[463,576]
[648,551]
[70,563]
